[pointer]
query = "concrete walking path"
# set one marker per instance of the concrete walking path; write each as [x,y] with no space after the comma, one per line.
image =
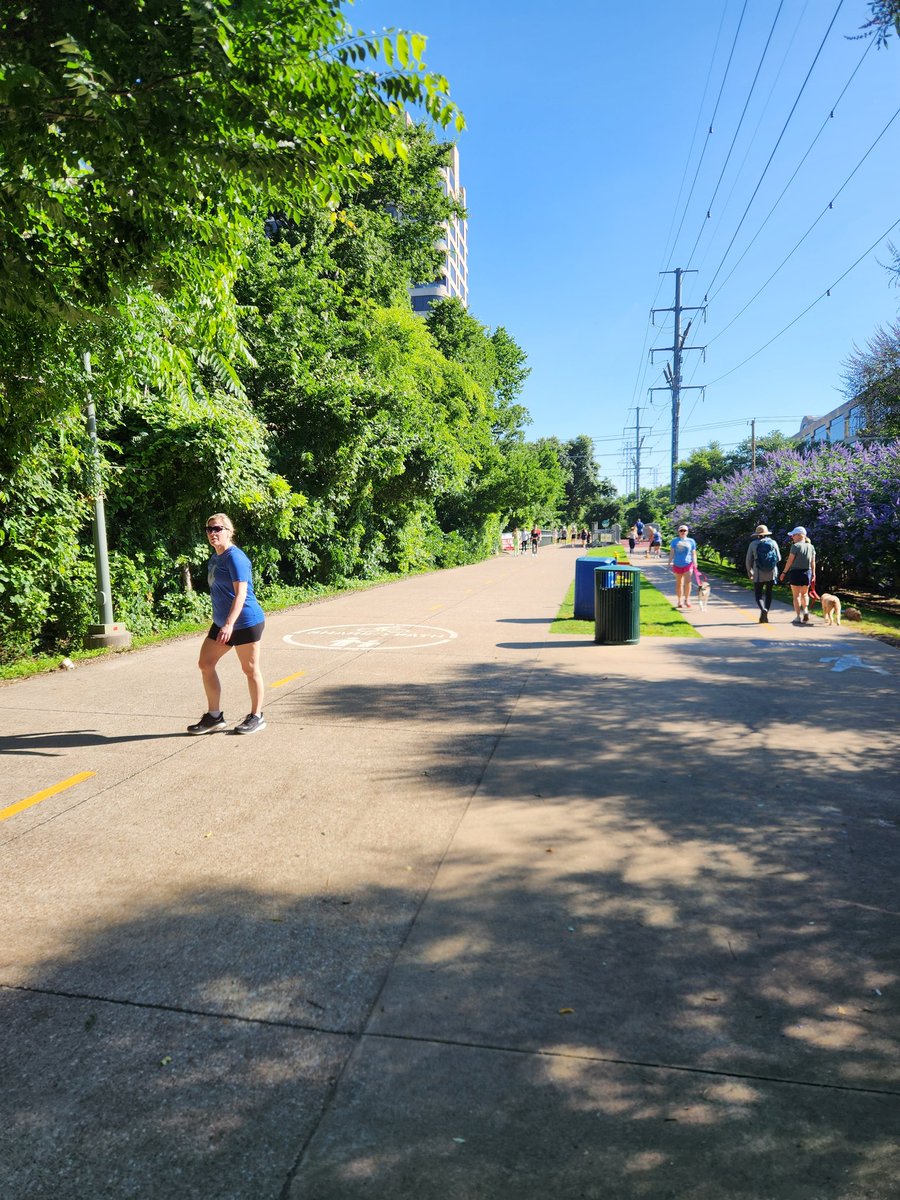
[484,912]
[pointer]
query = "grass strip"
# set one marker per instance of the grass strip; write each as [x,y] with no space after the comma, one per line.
[657,617]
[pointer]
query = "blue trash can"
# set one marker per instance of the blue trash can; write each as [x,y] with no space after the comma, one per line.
[585,567]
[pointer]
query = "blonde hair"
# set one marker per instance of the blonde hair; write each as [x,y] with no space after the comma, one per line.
[223,520]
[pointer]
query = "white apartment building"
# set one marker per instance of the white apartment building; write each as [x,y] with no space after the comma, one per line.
[454,279]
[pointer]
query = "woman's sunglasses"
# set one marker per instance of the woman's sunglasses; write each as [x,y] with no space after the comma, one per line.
[214,528]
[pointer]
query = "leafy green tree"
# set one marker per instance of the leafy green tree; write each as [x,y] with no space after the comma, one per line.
[872,377]
[587,497]
[653,508]
[697,471]
[526,484]
[130,131]
[42,506]
[511,372]
[463,339]
[606,505]
[741,458]
[583,477]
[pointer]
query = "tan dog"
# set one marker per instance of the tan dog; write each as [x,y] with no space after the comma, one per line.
[831,609]
[703,595]
[852,614]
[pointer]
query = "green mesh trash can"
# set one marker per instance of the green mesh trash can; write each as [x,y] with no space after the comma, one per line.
[617,606]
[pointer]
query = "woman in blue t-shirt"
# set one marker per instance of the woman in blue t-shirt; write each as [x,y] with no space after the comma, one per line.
[238,621]
[683,561]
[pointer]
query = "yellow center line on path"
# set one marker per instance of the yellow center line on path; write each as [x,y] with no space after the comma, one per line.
[287,679]
[12,809]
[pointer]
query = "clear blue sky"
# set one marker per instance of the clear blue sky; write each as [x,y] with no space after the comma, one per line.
[586,121]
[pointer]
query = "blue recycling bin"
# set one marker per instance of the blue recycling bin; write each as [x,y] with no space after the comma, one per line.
[585,567]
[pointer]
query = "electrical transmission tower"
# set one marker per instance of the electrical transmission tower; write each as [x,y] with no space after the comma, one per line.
[673,372]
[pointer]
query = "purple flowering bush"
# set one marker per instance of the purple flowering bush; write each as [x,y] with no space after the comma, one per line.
[847,497]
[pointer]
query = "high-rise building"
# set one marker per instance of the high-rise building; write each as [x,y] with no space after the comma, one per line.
[454,280]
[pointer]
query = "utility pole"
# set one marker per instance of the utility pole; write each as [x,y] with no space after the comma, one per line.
[108,633]
[637,453]
[627,468]
[673,373]
[753,444]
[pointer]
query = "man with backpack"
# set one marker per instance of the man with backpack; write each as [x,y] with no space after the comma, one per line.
[763,557]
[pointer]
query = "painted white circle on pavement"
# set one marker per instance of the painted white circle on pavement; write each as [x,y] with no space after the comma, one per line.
[369,637]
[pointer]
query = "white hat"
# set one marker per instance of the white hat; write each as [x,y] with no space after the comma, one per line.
[799,530]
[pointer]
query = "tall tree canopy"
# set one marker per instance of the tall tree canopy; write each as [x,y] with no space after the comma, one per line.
[131,131]
[872,376]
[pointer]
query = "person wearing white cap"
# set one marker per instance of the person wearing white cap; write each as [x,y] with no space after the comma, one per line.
[800,571]
[683,561]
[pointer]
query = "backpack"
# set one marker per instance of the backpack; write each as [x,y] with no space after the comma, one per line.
[766,554]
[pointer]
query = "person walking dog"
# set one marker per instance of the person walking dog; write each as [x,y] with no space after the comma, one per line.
[238,621]
[683,561]
[800,571]
[763,557]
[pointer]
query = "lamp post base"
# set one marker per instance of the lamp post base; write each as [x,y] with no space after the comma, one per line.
[107,637]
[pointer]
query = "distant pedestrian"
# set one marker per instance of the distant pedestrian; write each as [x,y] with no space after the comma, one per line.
[584,539]
[799,572]
[632,539]
[238,621]
[683,561]
[763,557]
[655,547]
[523,544]
[639,526]
[535,539]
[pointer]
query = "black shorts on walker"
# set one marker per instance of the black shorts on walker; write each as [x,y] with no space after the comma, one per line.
[799,578]
[239,637]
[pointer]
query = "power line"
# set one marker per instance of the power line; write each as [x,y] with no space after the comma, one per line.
[752,141]
[775,147]
[711,128]
[798,244]
[737,131]
[687,163]
[644,363]
[809,150]
[827,292]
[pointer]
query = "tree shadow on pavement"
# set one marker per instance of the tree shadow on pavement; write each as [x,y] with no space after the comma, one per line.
[659,960]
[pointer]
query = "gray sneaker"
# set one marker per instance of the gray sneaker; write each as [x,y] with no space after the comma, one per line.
[251,724]
[208,724]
